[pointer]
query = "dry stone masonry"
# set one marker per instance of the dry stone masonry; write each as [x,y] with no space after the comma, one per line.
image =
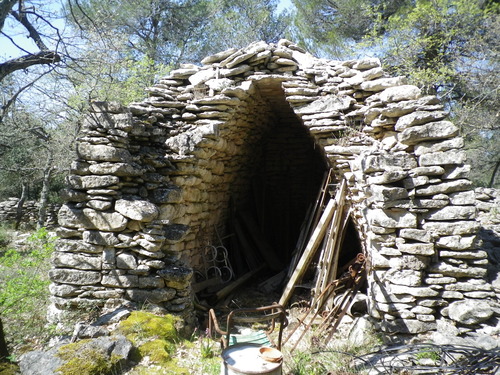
[155,182]
[8,213]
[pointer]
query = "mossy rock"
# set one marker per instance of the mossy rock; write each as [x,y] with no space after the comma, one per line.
[90,357]
[142,325]
[7,368]
[155,338]
[158,351]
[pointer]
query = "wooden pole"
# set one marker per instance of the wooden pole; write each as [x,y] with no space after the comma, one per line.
[309,252]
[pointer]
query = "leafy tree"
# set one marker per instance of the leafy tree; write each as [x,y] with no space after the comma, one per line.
[241,22]
[446,47]
[334,28]
[159,30]
[451,48]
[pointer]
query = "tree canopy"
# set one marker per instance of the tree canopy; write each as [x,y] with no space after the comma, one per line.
[84,50]
[447,47]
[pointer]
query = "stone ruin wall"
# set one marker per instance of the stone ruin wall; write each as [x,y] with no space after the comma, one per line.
[153,183]
[8,213]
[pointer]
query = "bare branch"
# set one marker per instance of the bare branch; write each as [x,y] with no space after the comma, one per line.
[14,97]
[5,8]
[23,62]
[14,42]
[21,17]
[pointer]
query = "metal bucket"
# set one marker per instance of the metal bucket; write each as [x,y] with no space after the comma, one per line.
[245,359]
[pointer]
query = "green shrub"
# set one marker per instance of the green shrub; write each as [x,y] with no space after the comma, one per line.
[5,237]
[24,290]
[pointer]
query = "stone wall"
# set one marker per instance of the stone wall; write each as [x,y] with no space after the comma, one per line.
[29,219]
[156,182]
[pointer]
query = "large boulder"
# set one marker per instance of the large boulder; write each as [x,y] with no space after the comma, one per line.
[140,210]
[470,311]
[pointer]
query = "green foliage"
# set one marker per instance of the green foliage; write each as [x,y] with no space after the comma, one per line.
[335,28]
[425,40]
[24,288]
[163,31]
[239,23]
[123,81]
[206,347]
[306,364]
[23,272]
[7,368]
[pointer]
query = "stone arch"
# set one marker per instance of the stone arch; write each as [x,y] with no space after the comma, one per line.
[157,181]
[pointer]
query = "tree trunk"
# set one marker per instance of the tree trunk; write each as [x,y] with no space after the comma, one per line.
[20,204]
[493,175]
[4,351]
[44,195]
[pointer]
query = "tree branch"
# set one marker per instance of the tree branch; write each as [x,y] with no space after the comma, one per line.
[493,174]
[23,62]
[21,17]
[5,8]
[4,109]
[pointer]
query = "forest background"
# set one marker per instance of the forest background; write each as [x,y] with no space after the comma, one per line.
[58,56]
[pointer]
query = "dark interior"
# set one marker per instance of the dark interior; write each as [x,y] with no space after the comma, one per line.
[285,183]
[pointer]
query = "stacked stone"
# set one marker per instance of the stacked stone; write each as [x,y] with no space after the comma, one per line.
[488,206]
[419,212]
[8,213]
[153,182]
[111,232]
[8,210]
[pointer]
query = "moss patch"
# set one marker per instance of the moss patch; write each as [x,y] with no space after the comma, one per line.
[81,358]
[170,369]
[8,368]
[141,325]
[158,351]
[155,338]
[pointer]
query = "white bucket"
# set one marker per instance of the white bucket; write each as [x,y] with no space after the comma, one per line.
[245,359]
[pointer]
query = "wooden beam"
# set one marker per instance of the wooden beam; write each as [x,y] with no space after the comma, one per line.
[224,292]
[309,251]
[327,266]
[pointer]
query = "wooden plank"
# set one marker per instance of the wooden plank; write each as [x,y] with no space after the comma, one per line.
[327,267]
[329,262]
[237,283]
[248,252]
[311,220]
[309,252]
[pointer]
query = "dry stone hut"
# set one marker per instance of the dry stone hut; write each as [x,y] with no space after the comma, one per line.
[245,139]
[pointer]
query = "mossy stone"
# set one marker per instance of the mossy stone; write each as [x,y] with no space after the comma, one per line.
[81,358]
[7,368]
[155,337]
[141,325]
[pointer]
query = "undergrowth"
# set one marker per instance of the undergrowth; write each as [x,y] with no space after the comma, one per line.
[24,293]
